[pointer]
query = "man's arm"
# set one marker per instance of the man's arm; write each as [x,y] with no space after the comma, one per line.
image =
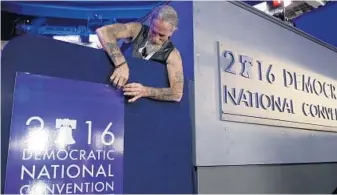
[176,78]
[108,36]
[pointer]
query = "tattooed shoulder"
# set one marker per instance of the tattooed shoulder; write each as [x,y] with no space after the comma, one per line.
[117,28]
[174,58]
[120,30]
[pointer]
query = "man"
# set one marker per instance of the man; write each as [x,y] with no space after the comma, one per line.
[151,42]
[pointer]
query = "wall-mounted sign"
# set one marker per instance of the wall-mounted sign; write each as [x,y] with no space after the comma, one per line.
[255,91]
[66,137]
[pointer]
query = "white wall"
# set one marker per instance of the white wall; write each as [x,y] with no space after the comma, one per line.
[230,143]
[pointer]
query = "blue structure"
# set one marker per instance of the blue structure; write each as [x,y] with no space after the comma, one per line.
[158,135]
[70,18]
[320,23]
[81,9]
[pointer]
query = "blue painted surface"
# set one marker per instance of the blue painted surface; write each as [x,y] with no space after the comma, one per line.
[158,135]
[71,131]
[320,23]
[252,3]
[183,37]
[81,9]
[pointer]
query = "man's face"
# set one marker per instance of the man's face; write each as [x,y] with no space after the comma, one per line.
[160,31]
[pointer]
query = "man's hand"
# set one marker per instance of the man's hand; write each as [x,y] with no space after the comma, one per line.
[173,93]
[135,89]
[108,36]
[120,76]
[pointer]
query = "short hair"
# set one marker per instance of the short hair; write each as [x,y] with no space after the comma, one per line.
[166,13]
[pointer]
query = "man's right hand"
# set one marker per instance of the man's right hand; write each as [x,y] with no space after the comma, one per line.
[120,76]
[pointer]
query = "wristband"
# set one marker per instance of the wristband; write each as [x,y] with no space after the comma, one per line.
[121,64]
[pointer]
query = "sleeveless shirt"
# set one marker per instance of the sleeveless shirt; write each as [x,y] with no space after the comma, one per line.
[140,40]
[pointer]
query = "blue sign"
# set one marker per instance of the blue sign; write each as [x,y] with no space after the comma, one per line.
[66,137]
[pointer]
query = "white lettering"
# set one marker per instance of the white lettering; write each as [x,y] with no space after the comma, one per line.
[99,189]
[71,156]
[71,171]
[65,155]
[31,173]
[44,173]
[110,152]
[101,171]
[72,188]
[77,171]
[26,152]
[24,190]
[69,188]
[68,155]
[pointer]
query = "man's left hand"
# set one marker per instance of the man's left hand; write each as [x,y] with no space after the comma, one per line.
[135,89]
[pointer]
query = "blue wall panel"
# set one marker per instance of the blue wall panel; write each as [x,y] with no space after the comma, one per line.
[183,37]
[81,10]
[158,141]
[320,23]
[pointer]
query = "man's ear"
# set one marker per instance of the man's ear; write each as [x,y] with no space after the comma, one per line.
[173,30]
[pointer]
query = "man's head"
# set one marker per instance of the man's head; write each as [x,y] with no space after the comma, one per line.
[163,23]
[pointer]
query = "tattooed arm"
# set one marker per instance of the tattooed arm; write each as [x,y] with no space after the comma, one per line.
[176,78]
[108,36]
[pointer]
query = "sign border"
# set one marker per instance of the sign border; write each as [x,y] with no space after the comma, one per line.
[226,116]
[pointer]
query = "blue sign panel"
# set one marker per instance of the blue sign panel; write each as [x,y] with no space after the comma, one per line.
[66,137]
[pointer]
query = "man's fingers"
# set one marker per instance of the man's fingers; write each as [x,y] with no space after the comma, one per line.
[129,89]
[127,85]
[124,81]
[131,93]
[115,81]
[134,99]
[130,85]
[120,82]
[113,76]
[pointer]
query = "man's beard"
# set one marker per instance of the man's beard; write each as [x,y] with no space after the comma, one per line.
[150,47]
